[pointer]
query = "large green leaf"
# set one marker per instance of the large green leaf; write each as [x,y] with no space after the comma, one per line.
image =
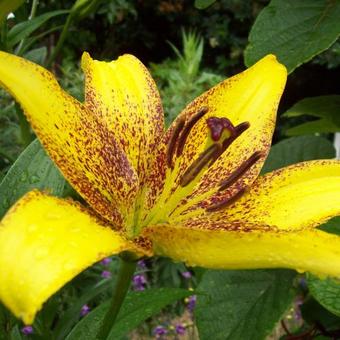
[137,307]
[298,149]
[8,6]
[24,29]
[326,292]
[295,31]
[33,169]
[242,304]
[327,108]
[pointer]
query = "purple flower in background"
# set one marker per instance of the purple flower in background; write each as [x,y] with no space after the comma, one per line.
[159,331]
[141,264]
[191,303]
[106,261]
[187,275]
[106,274]
[84,310]
[180,329]
[27,330]
[139,282]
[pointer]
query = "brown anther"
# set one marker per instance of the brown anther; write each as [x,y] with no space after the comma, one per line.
[202,160]
[172,141]
[218,125]
[187,128]
[227,201]
[241,170]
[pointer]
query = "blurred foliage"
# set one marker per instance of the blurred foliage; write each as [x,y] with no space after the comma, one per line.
[188,50]
[180,80]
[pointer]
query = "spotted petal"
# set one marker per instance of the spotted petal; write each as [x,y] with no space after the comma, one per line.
[251,96]
[81,145]
[235,246]
[44,243]
[124,96]
[303,195]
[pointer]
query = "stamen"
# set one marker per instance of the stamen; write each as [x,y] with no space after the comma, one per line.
[188,126]
[218,125]
[172,142]
[238,130]
[202,160]
[241,170]
[226,202]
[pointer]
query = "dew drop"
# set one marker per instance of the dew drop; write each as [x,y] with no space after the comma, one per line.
[41,253]
[52,215]
[5,202]
[32,228]
[23,177]
[299,270]
[34,179]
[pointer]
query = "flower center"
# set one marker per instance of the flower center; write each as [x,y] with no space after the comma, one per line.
[222,134]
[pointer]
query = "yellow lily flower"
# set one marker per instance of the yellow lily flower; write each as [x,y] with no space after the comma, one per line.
[191,193]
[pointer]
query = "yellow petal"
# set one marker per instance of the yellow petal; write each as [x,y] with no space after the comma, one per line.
[236,246]
[251,96]
[299,196]
[82,147]
[44,243]
[124,96]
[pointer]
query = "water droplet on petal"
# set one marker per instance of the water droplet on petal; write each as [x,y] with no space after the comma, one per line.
[34,179]
[41,253]
[32,227]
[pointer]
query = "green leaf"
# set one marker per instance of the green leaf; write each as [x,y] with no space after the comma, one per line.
[33,169]
[327,108]
[326,292]
[137,307]
[316,126]
[8,6]
[298,149]
[37,55]
[202,4]
[71,315]
[15,334]
[24,29]
[314,313]
[242,304]
[295,31]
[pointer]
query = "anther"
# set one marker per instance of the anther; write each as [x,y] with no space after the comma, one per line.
[202,160]
[241,170]
[227,201]
[172,142]
[187,128]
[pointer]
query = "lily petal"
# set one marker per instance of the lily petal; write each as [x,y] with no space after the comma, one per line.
[83,148]
[303,195]
[251,96]
[124,96]
[240,247]
[44,243]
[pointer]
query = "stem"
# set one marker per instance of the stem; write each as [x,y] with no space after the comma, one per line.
[122,284]
[61,40]
[31,16]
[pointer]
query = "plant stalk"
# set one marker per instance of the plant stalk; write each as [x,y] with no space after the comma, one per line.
[31,16]
[122,284]
[61,40]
